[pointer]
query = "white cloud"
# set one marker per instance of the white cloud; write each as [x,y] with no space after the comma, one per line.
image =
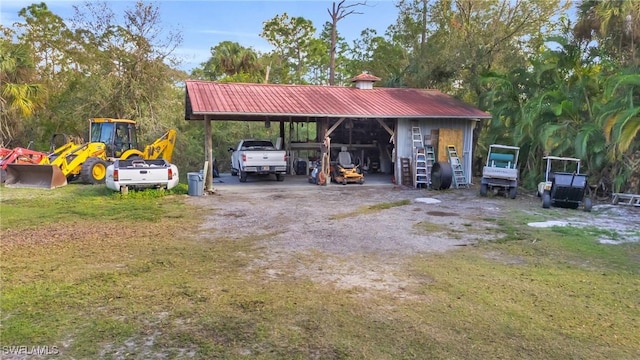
[196,55]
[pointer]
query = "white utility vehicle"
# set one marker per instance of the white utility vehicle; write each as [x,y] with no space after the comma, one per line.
[501,170]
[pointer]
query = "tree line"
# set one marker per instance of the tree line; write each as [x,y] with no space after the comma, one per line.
[555,84]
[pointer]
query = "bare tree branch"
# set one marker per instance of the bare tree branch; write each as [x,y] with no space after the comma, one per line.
[338,12]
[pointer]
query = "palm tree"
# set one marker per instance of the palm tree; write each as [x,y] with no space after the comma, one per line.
[232,58]
[547,108]
[621,114]
[18,97]
[614,23]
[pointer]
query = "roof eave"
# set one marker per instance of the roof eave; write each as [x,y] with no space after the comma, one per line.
[201,114]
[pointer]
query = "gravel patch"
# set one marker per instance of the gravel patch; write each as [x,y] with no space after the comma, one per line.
[323,233]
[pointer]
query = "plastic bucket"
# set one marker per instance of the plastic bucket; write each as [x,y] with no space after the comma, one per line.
[196,184]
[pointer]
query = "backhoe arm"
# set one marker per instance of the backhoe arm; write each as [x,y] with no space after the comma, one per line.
[161,148]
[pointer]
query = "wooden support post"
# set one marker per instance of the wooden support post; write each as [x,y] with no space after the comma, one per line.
[394,152]
[325,148]
[208,146]
[282,130]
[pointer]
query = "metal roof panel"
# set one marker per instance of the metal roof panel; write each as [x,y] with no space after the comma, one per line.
[213,98]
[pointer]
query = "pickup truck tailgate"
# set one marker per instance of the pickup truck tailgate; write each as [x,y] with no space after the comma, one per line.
[264,158]
[144,174]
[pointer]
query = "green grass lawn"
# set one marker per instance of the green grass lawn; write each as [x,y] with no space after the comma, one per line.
[99,275]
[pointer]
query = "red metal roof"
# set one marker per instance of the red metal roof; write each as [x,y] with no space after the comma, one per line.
[241,101]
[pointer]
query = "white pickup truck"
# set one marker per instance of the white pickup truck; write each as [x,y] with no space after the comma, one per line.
[140,174]
[253,157]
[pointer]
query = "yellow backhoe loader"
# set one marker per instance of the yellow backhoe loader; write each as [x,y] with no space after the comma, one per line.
[109,139]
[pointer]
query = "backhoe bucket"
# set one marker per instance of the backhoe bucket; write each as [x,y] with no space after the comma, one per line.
[34,176]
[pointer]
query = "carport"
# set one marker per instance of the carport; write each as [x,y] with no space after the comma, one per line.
[367,120]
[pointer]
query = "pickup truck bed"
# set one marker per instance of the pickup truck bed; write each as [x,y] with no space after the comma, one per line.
[141,174]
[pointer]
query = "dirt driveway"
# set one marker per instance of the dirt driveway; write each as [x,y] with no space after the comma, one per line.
[360,235]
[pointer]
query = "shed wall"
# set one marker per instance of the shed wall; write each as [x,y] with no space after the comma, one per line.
[404,145]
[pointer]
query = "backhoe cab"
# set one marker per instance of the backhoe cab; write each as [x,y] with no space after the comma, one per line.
[118,135]
[109,140]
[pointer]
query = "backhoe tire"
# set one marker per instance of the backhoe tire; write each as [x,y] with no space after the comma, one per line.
[94,171]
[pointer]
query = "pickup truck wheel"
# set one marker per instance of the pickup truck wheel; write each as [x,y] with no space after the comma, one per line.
[94,171]
[280,177]
[513,192]
[234,173]
[243,176]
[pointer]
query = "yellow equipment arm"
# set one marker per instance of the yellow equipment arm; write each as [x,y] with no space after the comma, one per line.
[161,148]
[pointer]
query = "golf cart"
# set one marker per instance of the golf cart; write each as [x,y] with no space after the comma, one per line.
[564,189]
[501,170]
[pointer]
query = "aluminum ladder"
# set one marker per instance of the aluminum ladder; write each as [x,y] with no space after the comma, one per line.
[459,179]
[431,159]
[420,173]
[625,199]
[416,137]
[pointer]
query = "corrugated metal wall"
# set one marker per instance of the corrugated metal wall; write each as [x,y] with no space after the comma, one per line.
[404,146]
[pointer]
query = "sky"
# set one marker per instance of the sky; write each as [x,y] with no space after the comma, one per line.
[204,24]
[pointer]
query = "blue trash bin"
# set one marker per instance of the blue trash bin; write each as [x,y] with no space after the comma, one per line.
[196,184]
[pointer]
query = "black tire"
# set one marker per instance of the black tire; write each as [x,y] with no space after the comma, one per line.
[588,204]
[94,171]
[362,181]
[483,189]
[234,173]
[344,181]
[513,192]
[3,176]
[546,200]
[280,177]
[441,176]
[243,176]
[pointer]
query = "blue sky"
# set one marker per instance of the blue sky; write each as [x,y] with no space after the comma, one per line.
[204,24]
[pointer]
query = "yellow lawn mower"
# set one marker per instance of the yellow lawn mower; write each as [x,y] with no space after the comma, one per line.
[345,171]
